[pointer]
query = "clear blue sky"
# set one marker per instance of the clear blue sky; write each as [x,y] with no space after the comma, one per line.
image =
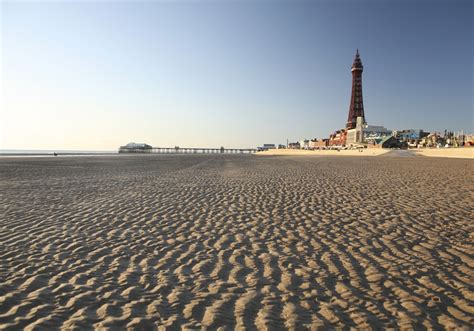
[96,75]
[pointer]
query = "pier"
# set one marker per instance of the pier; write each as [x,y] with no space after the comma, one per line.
[186,150]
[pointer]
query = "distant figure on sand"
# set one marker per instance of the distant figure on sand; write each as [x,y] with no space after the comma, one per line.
[55,154]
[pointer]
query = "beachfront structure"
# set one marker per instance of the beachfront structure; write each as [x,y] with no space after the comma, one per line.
[356,135]
[434,139]
[365,133]
[449,139]
[357,131]
[295,145]
[144,148]
[338,138]
[266,147]
[375,131]
[354,132]
[386,142]
[304,144]
[468,140]
[410,134]
[318,144]
[135,148]
[356,106]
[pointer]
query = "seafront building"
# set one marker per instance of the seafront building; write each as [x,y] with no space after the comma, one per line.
[304,144]
[412,137]
[338,138]
[266,147]
[385,142]
[318,143]
[295,145]
[364,133]
[410,134]
[467,139]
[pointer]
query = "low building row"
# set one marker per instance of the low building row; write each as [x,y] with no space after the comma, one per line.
[378,136]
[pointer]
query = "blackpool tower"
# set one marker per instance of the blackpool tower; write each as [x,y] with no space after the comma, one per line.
[356,108]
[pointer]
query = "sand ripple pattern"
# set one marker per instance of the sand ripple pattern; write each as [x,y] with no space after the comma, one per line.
[236,242]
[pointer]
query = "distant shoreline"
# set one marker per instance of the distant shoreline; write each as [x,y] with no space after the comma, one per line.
[36,153]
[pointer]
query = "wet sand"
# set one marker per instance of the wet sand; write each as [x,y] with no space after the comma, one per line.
[239,242]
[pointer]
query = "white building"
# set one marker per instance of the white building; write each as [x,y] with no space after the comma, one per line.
[364,133]
[304,144]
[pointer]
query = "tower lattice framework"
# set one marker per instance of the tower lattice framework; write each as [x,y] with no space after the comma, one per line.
[356,107]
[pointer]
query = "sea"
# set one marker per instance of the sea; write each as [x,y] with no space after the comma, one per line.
[51,152]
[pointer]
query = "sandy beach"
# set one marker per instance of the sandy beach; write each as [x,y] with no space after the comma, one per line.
[238,242]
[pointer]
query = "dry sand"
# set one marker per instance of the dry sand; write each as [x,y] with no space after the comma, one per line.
[240,242]
[327,152]
[464,152]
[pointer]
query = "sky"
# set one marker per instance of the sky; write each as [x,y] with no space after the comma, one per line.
[91,75]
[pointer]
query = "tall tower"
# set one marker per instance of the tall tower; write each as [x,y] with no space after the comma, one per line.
[356,108]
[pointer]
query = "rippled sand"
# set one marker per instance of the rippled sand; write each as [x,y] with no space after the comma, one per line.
[236,242]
